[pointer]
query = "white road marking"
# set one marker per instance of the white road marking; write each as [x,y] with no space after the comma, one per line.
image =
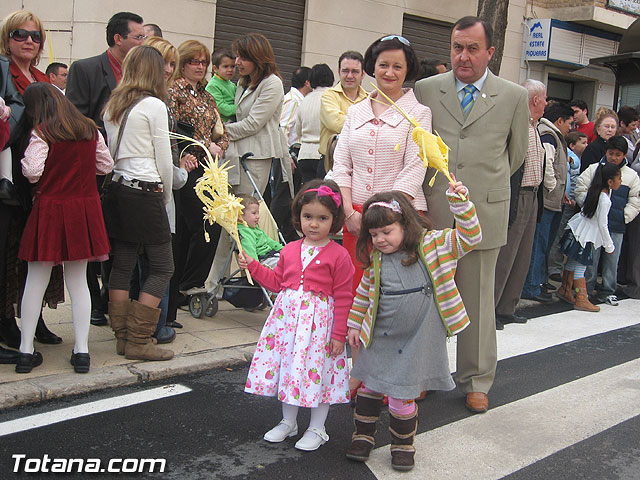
[551,330]
[98,406]
[513,436]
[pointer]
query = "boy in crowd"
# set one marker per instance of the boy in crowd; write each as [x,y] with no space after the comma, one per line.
[576,143]
[625,205]
[221,86]
[255,242]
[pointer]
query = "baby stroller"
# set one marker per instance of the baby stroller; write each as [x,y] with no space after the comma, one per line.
[236,289]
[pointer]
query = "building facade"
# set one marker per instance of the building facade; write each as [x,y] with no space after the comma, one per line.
[305,32]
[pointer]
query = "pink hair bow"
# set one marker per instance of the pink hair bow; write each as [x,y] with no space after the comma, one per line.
[324,191]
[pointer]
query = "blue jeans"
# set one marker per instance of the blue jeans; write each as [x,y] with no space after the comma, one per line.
[609,268]
[545,234]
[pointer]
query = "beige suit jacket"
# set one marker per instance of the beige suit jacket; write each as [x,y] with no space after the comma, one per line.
[257,128]
[486,148]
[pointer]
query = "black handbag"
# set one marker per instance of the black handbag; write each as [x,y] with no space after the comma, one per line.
[186,129]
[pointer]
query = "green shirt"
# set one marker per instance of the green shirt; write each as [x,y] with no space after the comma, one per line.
[224,91]
[256,242]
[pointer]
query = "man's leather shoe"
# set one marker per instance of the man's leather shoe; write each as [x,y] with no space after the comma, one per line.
[98,318]
[477,402]
[44,335]
[8,356]
[541,297]
[506,319]
[174,324]
[548,287]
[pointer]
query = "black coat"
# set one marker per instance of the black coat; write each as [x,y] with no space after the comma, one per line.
[89,86]
[593,153]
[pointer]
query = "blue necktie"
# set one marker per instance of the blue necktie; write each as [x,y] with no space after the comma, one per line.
[467,100]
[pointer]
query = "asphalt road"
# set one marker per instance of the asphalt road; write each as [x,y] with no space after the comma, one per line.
[215,430]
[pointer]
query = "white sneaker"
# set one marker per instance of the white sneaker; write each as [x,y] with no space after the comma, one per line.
[611,300]
[312,439]
[281,431]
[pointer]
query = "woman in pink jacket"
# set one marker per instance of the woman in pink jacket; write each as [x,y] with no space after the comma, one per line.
[375,152]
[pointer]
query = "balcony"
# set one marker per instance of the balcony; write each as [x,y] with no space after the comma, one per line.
[600,14]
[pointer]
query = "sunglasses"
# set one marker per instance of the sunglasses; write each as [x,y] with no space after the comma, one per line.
[137,37]
[195,62]
[400,38]
[21,35]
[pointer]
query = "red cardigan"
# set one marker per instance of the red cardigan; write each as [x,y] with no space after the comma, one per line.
[329,273]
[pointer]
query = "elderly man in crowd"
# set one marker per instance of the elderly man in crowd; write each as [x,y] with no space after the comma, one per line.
[89,86]
[526,202]
[484,120]
[554,126]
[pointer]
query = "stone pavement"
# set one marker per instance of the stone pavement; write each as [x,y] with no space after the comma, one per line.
[226,339]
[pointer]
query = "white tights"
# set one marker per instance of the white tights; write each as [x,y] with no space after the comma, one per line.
[75,276]
[318,414]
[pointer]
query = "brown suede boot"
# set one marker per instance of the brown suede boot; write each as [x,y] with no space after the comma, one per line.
[565,292]
[403,431]
[365,416]
[140,326]
[582,299]
[118,313]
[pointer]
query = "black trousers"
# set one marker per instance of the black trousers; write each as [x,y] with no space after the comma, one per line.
[280,202]
[194,255]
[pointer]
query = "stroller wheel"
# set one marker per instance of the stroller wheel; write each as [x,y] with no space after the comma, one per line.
[211,306]
[196,305]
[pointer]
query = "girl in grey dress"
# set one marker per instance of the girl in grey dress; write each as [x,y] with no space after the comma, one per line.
[405,307]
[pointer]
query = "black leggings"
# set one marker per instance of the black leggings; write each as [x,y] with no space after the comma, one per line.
[125,258]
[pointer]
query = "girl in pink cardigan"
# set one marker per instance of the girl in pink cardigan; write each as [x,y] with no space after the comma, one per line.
[300,356]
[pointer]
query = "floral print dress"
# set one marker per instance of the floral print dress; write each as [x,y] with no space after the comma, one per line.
[293,357]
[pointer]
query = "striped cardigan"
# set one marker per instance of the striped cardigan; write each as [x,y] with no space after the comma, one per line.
[440,252]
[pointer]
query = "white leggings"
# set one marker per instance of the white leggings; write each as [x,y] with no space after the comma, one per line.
[75,276]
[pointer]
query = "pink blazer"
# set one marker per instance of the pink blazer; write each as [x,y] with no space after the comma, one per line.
[377,154]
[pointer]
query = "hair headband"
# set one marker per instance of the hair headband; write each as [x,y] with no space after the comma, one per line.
[392,205]
[324,191]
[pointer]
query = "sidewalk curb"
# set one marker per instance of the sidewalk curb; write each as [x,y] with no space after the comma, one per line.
[40,389]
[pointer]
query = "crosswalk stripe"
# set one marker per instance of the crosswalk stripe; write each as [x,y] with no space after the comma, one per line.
[513,436]
[556,329]
[98,406]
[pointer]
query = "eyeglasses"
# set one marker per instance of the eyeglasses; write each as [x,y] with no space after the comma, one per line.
[195,62]
[400,38]
[21,35]
[137,37]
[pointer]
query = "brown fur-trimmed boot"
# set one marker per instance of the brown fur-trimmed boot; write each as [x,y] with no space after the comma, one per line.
[403,432]
[565,292]
[118,313]
[582,299]
[141,324]
[365,417]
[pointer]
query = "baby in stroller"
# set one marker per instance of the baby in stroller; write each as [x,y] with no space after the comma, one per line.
[255,241]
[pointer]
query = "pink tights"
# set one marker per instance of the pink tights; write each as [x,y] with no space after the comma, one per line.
[397,405]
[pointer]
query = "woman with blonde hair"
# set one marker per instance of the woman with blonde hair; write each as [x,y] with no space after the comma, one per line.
[605,126]
[196,114]
[136,121]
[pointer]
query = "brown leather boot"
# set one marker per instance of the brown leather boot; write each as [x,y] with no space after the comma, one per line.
[565,292]
[365,417]
[582,299]
[403,431]
[141,324]
[118,313]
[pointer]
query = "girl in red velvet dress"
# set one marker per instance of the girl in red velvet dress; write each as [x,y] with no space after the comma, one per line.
[65,225]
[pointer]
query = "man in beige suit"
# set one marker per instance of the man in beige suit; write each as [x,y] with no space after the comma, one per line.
[484,120]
